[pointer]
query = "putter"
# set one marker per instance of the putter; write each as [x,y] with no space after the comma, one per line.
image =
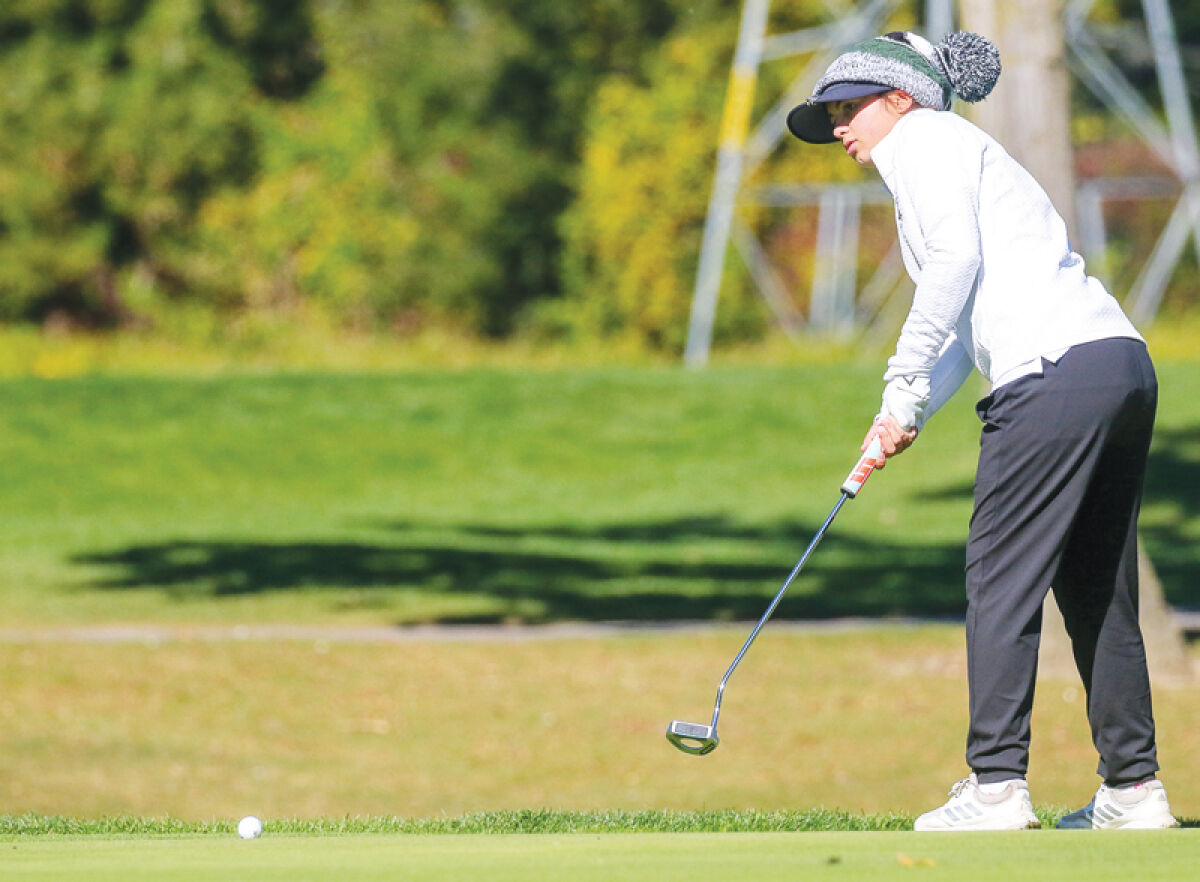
[699,739]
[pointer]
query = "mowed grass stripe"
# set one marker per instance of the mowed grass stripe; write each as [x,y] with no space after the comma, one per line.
[864,857]
[865,722]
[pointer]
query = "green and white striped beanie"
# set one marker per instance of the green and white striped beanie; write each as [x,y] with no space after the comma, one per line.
[962,64]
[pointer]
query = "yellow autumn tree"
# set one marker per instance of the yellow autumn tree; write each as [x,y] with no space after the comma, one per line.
[632,237]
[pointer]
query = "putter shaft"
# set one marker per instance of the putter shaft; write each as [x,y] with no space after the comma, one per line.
[698,739]
[774,603]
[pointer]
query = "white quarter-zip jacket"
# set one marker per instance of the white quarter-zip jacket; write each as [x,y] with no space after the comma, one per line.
[997,284]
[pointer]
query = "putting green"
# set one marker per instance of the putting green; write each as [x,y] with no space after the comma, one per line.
[863,857]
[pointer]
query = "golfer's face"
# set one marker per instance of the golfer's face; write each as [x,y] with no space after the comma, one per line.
[860,124]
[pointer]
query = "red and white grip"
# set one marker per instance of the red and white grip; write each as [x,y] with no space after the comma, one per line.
[866,464]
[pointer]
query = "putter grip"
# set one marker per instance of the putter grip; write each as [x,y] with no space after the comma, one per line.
[862,471]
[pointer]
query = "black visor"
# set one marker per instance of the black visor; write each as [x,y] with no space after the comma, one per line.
[810,121]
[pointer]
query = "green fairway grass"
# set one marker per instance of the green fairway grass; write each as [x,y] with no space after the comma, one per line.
[474,496]
[493,496]
[1048,856]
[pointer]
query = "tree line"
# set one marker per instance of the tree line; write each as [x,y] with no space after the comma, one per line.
[492,166]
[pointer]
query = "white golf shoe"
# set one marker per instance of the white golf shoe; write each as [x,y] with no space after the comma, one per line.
[1137,807]
[969,808]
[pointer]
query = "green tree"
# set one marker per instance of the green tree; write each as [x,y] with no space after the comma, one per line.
[121,118]
[377,191]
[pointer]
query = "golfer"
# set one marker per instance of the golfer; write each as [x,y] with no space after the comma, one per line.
[1066,426]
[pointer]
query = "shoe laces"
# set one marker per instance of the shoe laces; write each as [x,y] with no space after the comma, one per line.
[960,786]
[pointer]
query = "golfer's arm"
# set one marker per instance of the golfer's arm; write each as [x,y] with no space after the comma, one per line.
[953,367]
[942,180]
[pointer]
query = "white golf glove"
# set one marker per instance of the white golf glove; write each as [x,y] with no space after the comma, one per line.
[906,399]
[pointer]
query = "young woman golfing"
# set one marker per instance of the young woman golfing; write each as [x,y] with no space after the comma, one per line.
[1066,426]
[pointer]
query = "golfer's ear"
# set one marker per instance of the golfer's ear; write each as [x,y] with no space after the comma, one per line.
[901,101]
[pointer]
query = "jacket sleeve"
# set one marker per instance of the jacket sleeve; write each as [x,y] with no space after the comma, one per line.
[939,173]
[913,400]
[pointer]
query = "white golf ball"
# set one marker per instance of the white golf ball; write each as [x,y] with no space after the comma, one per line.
[249,827]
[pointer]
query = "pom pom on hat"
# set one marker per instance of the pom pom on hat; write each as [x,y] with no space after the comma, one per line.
[972,64]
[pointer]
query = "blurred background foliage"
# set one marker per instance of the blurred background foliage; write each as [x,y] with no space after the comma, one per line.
[492,168]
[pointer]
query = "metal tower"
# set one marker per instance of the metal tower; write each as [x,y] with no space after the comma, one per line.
[837,303]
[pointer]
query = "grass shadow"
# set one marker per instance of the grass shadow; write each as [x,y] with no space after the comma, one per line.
[706,568]
[1173,481]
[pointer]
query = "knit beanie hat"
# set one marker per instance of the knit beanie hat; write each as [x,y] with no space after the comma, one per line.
[962,64]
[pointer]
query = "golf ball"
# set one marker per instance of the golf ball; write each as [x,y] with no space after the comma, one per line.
[249,827]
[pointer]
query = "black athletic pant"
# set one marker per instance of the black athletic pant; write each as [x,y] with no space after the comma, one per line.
[1061,462]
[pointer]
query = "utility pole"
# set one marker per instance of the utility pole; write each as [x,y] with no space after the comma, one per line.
[735,122]
[1029,111]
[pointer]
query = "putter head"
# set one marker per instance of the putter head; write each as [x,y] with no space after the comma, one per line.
[693,738]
